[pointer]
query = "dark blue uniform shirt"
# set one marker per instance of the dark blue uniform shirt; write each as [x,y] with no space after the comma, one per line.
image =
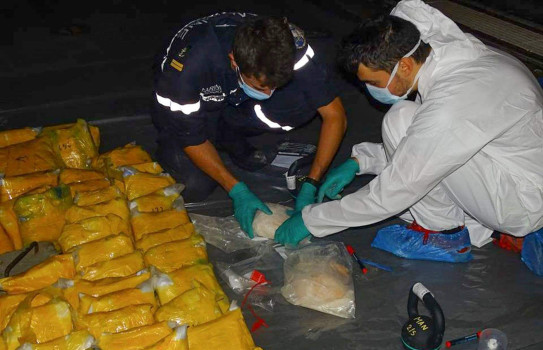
[195,84]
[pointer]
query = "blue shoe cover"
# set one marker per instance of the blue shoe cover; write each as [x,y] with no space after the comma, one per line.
[409,244]
[532,252]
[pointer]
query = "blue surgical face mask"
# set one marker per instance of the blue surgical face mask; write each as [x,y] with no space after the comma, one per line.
[250,91]
[384,95]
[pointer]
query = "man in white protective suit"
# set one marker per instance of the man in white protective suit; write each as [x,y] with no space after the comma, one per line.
[463,160]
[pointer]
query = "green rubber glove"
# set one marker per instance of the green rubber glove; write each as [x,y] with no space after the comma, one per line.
[292,231]
[306,196]
[245,206]
[337,179]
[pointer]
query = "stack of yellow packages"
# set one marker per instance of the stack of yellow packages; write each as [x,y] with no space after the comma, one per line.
[133,274]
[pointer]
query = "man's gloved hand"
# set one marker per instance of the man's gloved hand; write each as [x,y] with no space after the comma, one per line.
[292,231]
[337,179]
[307,195]
[245,206]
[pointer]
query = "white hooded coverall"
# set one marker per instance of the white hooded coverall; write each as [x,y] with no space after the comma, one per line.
[468,151]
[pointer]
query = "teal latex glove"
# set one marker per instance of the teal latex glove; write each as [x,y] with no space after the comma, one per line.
[292,231]
[306,196]
[337,179]
[245,206]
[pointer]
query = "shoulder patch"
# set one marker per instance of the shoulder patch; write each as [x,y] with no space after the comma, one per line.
[183,52]
[299,36]
[176,65]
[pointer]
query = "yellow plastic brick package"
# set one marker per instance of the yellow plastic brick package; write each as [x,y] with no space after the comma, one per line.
[135,339]
[91,229]
[195,306]
[101,250]
[158,201]
[70,176]
[102,195]
[29,157]
[8,305]
[74,145]
[153,239]
[175,255]
[127,155]
[6,245]
[42,275]
[150,167]
[121,266]
[94,130]
[172,284]
[119,320]
[138,184]
[144,223]
[116,206]
[13,137]
[13,187]
[87,186]
[176,340]
[10,224]
[228,332]
[141,294]
[78,340]
[41,216]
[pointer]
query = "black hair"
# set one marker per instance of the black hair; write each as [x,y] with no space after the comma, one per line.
[265,48]
[380,43]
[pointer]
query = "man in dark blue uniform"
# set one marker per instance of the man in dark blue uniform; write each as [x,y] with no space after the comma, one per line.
[226,77]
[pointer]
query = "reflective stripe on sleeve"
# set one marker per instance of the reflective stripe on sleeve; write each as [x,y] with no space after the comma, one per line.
[309,53]
[176,107]
[265,120]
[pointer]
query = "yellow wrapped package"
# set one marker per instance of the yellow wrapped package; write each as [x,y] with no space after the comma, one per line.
[135,339]
[142,294]
[116,206]
[139,184]
[228,332]
[17,329]
[50,321]
[122,266]
[101,250]
[87,186]
[177,254]
[127,155]
[10,224]
[172,284]
[153,239]
[5,242]
[8,305]
[176,340]
[94,130]
[91,229]
[71,289]
[78,340]
[28,157]
[42,275]
[150,167]
[120,320]
[84,199]
[12,137]
[13,187]
[41,216]
[69,176]
[74,145]
[194,307]
[144,223]
[158,201]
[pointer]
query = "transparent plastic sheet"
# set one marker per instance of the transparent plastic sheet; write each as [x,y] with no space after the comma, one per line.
[78,340]
[13,187]
[101,250]
[135,339]
[174,255]
[319,276]
[121,266]
[15,136]
[176,340]
[40,276]
[237,276]
[160,200]
[406,243]
[141,294]
[91,229]
[84,199]
[153,239]
[145,223]
[223,233]
[138,184]
[41,216]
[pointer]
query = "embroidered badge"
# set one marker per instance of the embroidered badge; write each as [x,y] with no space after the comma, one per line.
[298,34]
